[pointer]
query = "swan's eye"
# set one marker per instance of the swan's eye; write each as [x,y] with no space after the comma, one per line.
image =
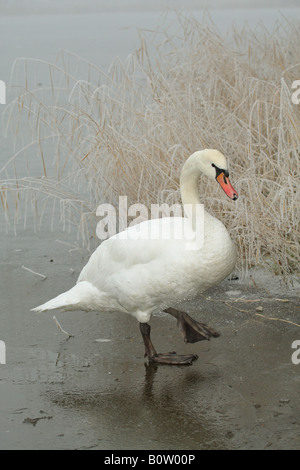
[220,171]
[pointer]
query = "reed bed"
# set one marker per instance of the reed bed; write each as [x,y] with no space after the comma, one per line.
[87,137]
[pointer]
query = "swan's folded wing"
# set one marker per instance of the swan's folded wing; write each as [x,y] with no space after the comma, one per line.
[156,239]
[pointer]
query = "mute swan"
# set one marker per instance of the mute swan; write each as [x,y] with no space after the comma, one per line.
[131,273]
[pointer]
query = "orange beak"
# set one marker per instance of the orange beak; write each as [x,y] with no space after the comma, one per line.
[226,186]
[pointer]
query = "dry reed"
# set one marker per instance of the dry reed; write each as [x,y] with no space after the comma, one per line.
[127,132]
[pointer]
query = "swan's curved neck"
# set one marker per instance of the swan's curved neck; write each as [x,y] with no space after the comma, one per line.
[189,189]
[189,178]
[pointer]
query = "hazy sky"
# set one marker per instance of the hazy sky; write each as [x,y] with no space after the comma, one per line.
[78,6]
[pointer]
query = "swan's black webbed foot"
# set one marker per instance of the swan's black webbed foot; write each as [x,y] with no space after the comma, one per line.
[169,359]
[174,359]
[192,330]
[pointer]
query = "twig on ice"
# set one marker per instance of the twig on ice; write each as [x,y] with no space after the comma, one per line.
[33,272]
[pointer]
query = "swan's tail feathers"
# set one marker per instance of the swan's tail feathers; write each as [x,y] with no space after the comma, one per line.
[83,296]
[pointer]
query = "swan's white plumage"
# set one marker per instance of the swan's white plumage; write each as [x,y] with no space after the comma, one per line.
[135,274]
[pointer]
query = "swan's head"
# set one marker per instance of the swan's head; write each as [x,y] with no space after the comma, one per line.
[214,165]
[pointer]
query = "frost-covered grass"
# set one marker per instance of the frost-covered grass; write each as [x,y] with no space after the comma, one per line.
[91,137]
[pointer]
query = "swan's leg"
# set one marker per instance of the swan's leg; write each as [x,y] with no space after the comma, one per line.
[192,330]
[170,359]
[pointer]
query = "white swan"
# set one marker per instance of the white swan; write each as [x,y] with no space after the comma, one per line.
[132,273]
